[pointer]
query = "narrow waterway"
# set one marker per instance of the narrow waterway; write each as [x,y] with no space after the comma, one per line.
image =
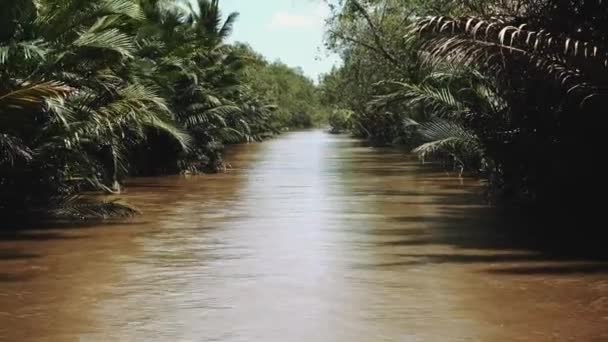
[309,237]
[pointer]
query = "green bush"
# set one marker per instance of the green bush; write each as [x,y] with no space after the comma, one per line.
[340,121]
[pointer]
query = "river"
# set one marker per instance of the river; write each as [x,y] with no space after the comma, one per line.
[307,237]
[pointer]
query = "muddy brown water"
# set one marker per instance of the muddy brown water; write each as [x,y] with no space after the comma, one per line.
[309,237]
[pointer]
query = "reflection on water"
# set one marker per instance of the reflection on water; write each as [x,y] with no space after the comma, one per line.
[310,237]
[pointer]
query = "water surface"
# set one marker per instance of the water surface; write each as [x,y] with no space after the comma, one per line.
[309,237]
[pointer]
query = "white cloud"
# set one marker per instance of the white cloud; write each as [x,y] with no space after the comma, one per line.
[286,20]
[314,18]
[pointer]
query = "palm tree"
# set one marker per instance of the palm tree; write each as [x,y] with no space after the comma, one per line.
[87,107]
[452,112]
[206,21]
[91,90]
[551,70]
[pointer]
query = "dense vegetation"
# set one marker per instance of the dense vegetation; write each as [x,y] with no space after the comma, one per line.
[94,91]
[295,96]
[505,89]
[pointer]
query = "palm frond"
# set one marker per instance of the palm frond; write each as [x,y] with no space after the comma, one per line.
[228,25]
[183,138]
[32,95]
[82,208]
[479,41]
[62,112]
[437,100]
[111,40]
[451,138]
[206,18]
[127,8]
[214,116]
[25,50]
[518,39]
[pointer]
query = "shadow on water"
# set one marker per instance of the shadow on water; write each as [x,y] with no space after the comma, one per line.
[24,235]
[14,254]
[554,270]
[11,255]
[501,240]
[13,278]
[505,237]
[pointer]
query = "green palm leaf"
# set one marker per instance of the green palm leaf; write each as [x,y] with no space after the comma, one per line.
[448,137]
[24,50]
[111,40]
[32,96]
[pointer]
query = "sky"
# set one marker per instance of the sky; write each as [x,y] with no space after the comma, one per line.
[287,30]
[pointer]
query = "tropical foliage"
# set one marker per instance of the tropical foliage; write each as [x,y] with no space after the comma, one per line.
[94,91]
[295,96]
[339,120]
[502,88]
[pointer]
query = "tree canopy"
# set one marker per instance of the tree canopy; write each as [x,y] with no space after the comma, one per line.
[94,91]
[501,88]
